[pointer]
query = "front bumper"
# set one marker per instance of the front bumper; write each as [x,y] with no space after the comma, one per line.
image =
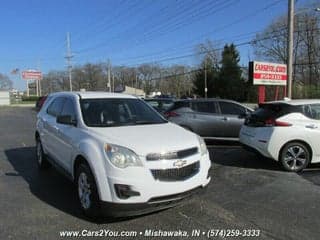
[117,210]
[141,180]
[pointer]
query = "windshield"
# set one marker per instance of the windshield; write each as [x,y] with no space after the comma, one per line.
[118,112]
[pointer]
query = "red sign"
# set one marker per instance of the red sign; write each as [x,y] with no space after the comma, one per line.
[269,73]
[32,75]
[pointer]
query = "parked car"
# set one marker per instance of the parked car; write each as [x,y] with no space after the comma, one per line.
[286,131]
[40,102]
[216,119]
[123,156]
[161,105]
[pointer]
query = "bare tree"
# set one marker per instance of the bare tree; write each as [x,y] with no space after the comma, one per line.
[271,45]
[5,82]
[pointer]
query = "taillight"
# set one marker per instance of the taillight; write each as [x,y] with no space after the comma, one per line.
[171,114]
[282,124]
[275,123]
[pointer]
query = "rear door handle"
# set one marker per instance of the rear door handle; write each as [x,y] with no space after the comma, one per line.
[224,119]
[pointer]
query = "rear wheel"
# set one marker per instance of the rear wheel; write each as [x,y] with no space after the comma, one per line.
[41,157]
[87,192]
[295,156]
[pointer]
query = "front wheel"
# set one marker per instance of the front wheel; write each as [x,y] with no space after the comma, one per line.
[295,156]
[87,192]
[41,157]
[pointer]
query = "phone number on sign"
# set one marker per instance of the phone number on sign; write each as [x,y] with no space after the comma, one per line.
[225,233]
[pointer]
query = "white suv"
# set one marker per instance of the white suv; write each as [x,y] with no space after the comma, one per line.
[286,131]
[123,156]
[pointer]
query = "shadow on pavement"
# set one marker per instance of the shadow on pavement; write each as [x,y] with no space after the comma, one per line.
[233,155]
[49,185]
[312,174]
[236,156]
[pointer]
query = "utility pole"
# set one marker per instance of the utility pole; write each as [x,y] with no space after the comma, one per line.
[135,89]
[39,80]
[109,76]
[112,82]
[160,82]
[69,56]
[37,87]
[205,79]
[28,93]
[290,45]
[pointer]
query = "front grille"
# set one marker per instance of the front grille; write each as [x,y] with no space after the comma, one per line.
[176,174]
[172,155]
[187,152]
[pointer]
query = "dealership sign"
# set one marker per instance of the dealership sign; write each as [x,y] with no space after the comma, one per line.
[263,73]
[31,75]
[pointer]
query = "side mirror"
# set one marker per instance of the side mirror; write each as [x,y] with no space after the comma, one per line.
[67,120]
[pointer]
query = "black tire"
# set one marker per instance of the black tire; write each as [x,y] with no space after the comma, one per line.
[90,205]
[42,161]
[295,156]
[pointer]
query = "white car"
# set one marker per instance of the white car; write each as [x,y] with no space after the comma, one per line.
[286,131]
[124,157]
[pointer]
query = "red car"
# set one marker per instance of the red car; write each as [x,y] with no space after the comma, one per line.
[40,102]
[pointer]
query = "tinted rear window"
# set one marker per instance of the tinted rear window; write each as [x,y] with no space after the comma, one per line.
[204,107]
[231,108]
[271,111]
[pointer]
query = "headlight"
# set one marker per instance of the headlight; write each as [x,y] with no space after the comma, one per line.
[122,157]
[203,146]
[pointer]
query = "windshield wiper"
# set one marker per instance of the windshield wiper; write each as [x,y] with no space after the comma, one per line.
[147,122]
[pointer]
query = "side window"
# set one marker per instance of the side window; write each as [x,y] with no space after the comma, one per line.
[314,111]
[205,107]
[55,107]
[231,108]
[69,109]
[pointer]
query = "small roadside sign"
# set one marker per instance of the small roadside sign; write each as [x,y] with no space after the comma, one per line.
[32,75]
[264,73]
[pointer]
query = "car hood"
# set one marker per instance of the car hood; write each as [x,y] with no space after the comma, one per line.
[145,139]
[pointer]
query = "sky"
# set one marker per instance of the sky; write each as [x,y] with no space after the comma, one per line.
[128,32]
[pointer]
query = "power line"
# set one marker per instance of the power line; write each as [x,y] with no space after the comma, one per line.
[215,30]
[106,41]
[129,12]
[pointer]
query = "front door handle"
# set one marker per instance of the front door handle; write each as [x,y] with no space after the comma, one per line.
[224,119]
[311,126]
[56,128]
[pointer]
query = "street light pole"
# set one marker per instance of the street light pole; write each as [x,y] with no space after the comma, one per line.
[290,45]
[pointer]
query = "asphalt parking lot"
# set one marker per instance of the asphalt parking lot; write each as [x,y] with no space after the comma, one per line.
[246,192]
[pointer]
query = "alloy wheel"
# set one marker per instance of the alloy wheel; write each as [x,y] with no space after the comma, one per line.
[295,157]
[84,190]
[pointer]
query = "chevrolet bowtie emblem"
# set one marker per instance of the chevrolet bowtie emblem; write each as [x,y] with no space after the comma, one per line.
[180,163]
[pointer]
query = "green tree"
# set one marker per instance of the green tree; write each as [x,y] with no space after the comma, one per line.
[230,84]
